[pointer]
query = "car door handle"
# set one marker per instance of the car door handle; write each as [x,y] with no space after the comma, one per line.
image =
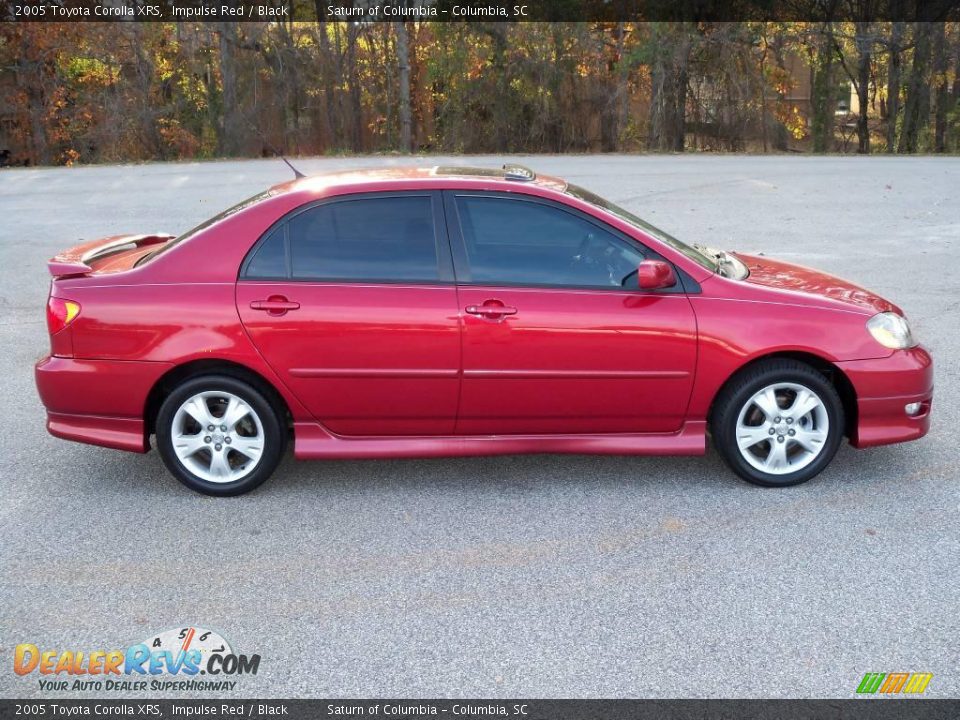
[275,305]
[491,310]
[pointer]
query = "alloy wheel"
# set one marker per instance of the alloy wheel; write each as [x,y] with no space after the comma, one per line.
[782,428]
[217,436]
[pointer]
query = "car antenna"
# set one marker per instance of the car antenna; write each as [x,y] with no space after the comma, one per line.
[296,173]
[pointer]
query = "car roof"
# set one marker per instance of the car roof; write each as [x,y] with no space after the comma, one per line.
[509,176]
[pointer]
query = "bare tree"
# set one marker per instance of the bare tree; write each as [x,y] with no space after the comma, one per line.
[822,99]
[916,110]
[863,41]
[403,62]
[668,103]
[231,120]
[941,87]
[893,82]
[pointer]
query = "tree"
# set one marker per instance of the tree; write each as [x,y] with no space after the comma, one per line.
[893,82]
[671,43]
[916,109]
[822,98]
[231,120]
[403,62]
[941,86]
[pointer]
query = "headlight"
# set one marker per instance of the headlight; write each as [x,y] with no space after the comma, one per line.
[890,330]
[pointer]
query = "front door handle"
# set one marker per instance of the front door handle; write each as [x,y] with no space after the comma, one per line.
[275,305]
[491,309]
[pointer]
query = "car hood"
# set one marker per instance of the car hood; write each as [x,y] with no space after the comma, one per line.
[796,278]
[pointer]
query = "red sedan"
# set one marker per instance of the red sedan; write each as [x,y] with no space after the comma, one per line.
[460,311]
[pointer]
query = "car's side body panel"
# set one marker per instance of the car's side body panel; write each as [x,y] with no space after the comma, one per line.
[575,361]
[363,359]
[572,371]
[737,326]
[128,336]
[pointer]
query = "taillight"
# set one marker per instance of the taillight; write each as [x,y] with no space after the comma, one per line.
[61,313]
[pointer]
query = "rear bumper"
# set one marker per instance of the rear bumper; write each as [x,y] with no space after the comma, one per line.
[111,432]
[884,386]
[101,402]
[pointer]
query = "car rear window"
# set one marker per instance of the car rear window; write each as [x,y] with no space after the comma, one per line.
[207,223]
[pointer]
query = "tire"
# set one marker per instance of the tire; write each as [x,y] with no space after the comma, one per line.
[219,462]
[796,443]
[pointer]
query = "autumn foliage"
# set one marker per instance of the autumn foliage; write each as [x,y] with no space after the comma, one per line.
[142,91]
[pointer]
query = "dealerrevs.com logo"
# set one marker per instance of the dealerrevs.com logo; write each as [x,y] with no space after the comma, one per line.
[171,660]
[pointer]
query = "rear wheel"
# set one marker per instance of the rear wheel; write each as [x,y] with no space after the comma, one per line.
[779,423]
[219,436]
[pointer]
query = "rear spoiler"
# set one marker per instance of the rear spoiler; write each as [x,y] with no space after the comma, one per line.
[75,261]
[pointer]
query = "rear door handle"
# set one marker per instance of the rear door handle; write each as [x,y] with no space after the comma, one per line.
[491,309]
[275,305]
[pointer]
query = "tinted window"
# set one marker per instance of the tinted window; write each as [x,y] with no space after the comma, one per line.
[691,252]
[270,259]
[207,223]
[366,239]
[527,243]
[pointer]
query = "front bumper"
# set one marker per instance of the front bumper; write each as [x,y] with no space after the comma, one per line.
[101,402]
[884,387]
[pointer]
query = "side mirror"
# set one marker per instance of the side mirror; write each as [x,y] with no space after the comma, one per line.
[655,275]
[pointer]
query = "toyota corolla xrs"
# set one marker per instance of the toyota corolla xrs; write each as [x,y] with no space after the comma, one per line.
[458,311]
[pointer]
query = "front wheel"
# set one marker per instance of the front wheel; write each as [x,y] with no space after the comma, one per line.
[779,423]
[219,436]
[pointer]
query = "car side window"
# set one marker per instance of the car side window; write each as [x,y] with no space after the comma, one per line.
[269,261]
[520,242]
[366,239]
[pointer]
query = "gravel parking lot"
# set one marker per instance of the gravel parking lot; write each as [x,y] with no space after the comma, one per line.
[535,576]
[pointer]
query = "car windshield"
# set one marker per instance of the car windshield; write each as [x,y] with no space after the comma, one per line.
[207,223]
[628,217]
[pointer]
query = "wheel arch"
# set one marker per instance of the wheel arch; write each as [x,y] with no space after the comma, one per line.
[209,366]
[836,376]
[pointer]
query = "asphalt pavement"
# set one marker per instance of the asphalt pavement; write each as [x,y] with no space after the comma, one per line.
[525,576]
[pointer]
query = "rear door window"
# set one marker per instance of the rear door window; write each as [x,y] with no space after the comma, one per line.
[388,239]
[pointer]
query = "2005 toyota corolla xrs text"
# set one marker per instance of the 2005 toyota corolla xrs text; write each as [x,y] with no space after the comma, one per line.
[461,311]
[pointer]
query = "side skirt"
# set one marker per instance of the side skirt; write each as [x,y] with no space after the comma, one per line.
[314,442]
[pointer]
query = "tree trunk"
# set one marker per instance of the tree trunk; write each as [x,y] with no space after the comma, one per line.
[353,89]
[780,131]
[329,134]
[916,110]
[33,88]
[623,89]
[501,105]
[615,82]
[403,61]
[671,52]
[680,107]
[822,96]
[762,85]
[553,122]
[230,119]
[893,84]
[940,62]
[864,52]
[149,134]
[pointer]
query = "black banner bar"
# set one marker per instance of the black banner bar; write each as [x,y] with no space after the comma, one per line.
[477,10]
[854,709]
